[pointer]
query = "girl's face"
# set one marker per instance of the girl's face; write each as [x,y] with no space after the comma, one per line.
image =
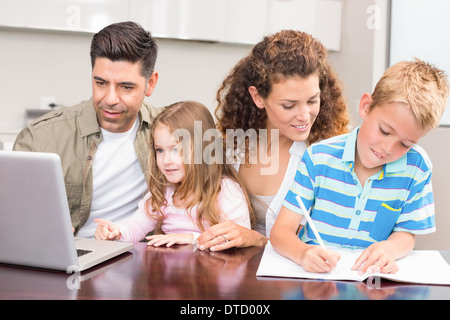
[168,155]
[292,106]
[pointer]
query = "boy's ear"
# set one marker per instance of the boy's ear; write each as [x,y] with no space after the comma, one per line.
[364,105]
[257,99]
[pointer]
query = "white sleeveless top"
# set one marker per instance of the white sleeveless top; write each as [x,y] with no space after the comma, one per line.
[274,203]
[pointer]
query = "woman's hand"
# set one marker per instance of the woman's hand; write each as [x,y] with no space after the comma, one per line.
[227,235]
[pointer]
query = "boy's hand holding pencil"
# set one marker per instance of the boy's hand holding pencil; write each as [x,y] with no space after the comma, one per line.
[317,258]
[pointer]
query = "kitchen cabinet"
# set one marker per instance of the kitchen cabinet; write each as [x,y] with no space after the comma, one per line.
[229,21]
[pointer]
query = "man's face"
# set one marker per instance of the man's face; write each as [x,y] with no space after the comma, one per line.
[118,90]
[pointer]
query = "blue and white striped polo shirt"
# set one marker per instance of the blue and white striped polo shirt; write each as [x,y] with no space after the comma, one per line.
[399,198]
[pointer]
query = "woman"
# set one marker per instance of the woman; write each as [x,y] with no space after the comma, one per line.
[287,87]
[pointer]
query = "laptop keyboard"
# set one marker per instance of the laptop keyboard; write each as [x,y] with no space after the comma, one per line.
[82,252]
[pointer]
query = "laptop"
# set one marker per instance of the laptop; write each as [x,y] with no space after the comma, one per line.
[35,224]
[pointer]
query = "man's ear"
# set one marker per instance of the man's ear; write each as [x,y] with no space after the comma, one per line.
[364,105]
[151,84]
[257,99]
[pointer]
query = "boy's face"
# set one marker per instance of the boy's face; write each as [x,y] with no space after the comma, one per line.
[386,134]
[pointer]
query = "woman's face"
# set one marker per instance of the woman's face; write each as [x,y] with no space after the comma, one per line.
[292,106]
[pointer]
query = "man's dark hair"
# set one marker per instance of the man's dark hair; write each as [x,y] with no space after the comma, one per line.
[126,41]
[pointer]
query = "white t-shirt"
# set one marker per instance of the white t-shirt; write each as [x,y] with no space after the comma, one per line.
[118,181]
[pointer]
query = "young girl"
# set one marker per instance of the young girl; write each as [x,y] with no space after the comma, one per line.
[185,195]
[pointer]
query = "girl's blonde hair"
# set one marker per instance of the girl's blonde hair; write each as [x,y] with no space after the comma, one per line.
[419,85]
[202,183]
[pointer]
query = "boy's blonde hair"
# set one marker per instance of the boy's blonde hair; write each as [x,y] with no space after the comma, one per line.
[423,87]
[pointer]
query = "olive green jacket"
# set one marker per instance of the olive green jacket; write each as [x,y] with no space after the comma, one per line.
[74,134]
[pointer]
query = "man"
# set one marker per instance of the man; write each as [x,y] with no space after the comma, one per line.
[103,142]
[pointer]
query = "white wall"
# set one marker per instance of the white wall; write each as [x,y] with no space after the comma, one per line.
[426,21]
[38,63]
[193,70]
[434,144]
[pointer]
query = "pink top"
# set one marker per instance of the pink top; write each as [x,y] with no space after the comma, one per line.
[231,202]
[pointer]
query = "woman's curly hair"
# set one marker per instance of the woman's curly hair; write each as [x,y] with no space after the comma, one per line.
[286,54]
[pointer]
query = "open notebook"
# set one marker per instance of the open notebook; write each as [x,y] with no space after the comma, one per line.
[420,266]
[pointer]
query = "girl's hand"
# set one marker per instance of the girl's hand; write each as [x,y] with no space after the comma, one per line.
[170,239]
[319,260]
[376,258]
[106,230]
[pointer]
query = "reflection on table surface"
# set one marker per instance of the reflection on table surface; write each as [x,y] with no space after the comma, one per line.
[183,273]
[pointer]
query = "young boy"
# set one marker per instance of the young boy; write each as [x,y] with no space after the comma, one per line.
[370,188]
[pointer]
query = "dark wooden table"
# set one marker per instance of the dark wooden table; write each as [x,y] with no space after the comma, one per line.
[182,273]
